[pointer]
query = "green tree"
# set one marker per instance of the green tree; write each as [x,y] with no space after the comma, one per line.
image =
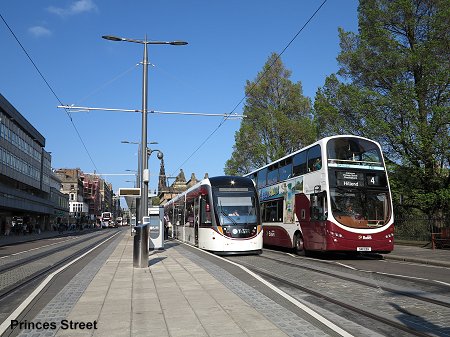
[395,89]
[279,119]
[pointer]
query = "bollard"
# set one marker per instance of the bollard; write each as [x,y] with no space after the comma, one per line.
[140,247]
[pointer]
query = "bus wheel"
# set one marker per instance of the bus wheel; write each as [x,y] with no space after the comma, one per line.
[299,246]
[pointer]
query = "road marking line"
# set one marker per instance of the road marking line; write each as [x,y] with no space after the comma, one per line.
[7,322]
[346,266]
[445,283]
[402,276]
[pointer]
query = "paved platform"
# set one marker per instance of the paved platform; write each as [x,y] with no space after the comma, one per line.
[176,295]
[172,297]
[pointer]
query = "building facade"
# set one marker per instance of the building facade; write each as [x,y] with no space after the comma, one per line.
[106,192]
[92,196]
[72,186]
[89,196]
[25,174]
[168,191]
[60,201]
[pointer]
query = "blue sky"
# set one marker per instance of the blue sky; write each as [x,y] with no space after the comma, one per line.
[229,42]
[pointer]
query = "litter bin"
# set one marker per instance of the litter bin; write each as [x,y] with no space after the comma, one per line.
[140,247]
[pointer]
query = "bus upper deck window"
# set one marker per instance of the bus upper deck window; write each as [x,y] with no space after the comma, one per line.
[314,159]
[299,164]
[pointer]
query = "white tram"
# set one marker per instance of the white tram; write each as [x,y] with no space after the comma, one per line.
[218,214]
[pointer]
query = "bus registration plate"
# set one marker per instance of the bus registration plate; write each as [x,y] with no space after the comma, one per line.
[363,249]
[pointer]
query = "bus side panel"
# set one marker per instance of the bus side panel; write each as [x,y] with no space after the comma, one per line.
[276,236]
[313,230]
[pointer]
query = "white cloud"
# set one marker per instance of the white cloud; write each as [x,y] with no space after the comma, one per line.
[39,31]
[77,7]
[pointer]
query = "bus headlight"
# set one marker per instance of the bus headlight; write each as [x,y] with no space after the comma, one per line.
[335,234]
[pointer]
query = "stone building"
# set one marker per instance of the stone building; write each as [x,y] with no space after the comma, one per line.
[89,195]
[167,192]
[72,185]
[92,196]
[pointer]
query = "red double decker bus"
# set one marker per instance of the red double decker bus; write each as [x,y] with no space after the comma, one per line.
[333,195]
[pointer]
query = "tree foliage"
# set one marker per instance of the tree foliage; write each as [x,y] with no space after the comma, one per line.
[278,120]
[393,86]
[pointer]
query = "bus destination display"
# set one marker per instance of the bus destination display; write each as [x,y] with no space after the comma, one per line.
[350,179]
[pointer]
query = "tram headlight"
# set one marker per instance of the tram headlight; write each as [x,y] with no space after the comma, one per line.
[390,235]
[225,231]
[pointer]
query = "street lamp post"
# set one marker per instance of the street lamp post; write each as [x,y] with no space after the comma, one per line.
[138,172]
[144,158]
[160,155]
[138,175]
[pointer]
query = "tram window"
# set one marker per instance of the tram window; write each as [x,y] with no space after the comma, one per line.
[272,175]
[205,211]
[285,170]
[262,178]
[314,159]
[191,216]
[299,164]
[179,214]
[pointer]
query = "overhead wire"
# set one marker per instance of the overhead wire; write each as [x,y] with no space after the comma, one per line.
[51,89]
[251,88]
[218,126]
[104,85]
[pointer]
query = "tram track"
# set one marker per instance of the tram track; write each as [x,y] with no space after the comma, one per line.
[367,284]
[407,311]
[24,260]
[22,282]
[341,304]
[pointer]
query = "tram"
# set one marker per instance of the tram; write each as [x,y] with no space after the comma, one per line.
[218,214]
[333,195]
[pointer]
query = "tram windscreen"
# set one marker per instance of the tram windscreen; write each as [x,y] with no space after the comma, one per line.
[360,208]
[236,208]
